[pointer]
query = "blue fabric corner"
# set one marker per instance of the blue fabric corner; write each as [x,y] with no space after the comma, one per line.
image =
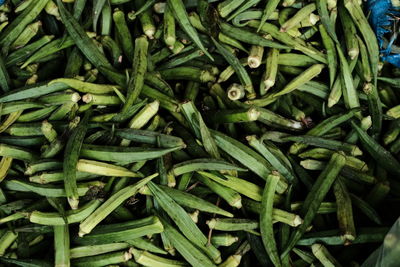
[381,14]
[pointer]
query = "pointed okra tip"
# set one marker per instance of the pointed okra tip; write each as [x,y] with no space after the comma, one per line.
[236,202]
[297,221]
[195,216]
[81,233]
[144,190]
[73,203]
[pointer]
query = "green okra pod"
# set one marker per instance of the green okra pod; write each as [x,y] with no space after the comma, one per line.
[323,255]
[203,164]
[377,151]
[61,243]
[169,27]
[232,224]
[228,6]
[191,201]
[184,222]
[103,260]
[124,34]
[19,24]
[304,77]
[276,162]
[4,76]
[187,73]
[148,259]
[85,251]
[123,154]
[189,252]
[71,155]
[223,240]
[344,211]
[315,197]
[331,53]
[240,185]
[298,17]
[226,193]
[110,204]
[49,190]
[135,84]
[181,16]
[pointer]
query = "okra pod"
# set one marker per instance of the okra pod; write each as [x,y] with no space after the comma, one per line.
[315,197]
[110,204]
[71,154]
[266,225]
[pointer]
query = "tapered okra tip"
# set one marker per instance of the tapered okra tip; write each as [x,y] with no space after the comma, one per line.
[314,19]
[171,182]
[237,203]
[356,151]
[195,216]
[268,83]
[81,233]
[297,221]
[144,190]
[332,101]
[150,33]
[170,41]
[73,203]
[353,53]
[183,145]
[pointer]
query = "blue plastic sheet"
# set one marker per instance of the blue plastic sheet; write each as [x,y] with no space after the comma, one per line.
[384,18]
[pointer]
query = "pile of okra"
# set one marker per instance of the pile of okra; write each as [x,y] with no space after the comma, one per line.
[195,133]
